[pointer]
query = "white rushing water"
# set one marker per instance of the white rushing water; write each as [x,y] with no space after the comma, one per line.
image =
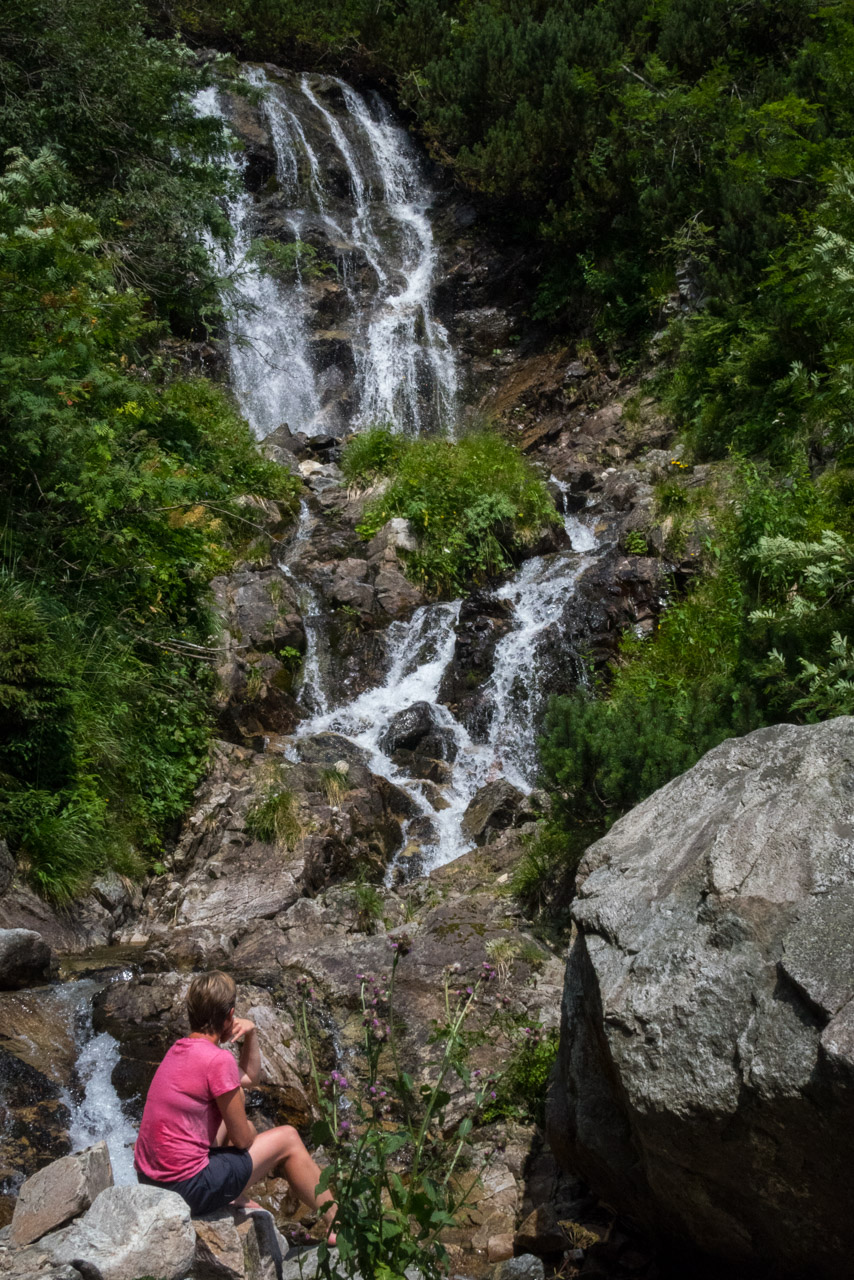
[350,181]
[420,651]
[97,1113]
[381,240]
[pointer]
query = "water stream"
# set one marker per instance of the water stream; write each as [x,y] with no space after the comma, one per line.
[97,1112]
[350,180]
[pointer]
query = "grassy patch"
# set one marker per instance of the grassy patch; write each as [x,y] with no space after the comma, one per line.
[472,504]
[275,819]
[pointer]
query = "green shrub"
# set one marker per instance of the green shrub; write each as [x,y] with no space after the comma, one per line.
[472,503]
[289,261]
[635,543]
[543,878]
[119,500]
[275,819]
[87,78]
[520,1091]
[371,454]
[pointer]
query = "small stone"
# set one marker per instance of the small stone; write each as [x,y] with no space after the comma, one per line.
[499,1248]
[525,1267]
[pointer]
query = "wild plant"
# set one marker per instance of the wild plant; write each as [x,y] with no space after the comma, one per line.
[396,1156]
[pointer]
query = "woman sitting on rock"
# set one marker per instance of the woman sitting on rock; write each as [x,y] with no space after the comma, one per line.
[195,1106]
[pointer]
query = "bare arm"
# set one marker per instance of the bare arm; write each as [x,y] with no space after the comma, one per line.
[250,1054]
[241,1131]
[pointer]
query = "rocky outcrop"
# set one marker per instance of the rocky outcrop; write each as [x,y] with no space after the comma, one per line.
[483,620]
[127,1233]
[88,924]
[24,959]
[226,874]
[263,639]
[705,1081]
[60,1191]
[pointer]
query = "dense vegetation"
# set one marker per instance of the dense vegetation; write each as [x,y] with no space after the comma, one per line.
[634,145]
[118,482]
[625,144]
[471,503]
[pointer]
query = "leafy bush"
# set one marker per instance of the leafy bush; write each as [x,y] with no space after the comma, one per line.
[520,1091]
[543,878]
[86,78]
[371,454]
[764,639]
[289,261]
[471,503]
[118,497]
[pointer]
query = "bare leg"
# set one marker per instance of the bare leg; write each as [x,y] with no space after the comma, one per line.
[283,1145]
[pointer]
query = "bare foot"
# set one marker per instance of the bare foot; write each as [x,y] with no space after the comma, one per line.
[242,1202]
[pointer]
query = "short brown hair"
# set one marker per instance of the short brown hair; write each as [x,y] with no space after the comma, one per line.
[210,999]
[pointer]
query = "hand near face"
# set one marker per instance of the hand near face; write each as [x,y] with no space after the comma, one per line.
[236,1029]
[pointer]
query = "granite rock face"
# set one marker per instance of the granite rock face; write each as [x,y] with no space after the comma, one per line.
[128,1232]
[705,1081]
[59,1192]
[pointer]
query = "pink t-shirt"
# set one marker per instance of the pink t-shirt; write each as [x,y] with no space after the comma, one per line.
[181,1117]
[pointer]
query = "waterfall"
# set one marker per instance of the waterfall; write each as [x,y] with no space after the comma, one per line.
[375,242]
[96,1111]
[349,183]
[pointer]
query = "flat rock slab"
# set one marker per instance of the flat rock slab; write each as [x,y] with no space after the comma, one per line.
[60,1191]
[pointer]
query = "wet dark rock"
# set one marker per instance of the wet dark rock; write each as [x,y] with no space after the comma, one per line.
[615,593]
[24,959]
[328,748]
[283,445]
[495,807]
[427,767]
[713,1100]
[417,729]
[483,621]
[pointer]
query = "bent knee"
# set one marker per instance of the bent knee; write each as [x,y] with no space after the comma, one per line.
[289,1139]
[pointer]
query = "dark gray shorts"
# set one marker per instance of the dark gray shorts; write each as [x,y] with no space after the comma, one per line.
[223,1177]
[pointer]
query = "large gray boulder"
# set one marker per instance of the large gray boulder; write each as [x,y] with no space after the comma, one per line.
[128,1232]
[705,1080]
[24,959]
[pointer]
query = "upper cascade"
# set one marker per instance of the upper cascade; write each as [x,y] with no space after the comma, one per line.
[333,264]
